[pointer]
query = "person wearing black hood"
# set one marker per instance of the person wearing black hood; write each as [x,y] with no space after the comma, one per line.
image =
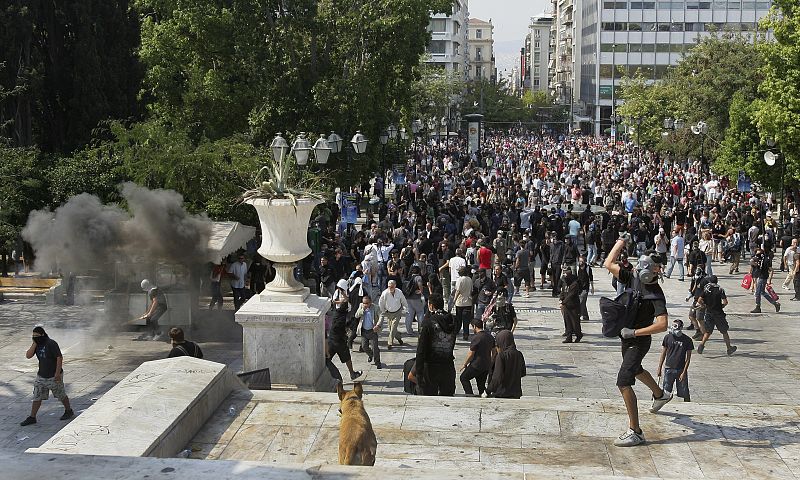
[435,370]
[570,306]
[508,368]
[50,376]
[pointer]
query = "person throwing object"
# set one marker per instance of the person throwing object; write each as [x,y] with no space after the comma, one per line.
[158,307]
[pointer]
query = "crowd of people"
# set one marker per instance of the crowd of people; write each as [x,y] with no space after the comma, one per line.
[460,236]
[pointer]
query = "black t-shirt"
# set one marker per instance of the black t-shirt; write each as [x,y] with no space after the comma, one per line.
[676,350]
[47,354]
[482,344]
[712,297]
[650,307]
[184,349]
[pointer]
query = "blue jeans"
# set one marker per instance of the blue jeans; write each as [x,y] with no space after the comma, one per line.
[761,284]
[671,378]
[591,253]
[672,262]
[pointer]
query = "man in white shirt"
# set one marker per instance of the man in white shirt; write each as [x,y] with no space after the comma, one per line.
[455,264]
[392,304]
[676,251]
[238,271]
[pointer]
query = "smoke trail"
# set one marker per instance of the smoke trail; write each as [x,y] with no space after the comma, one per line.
[84,234]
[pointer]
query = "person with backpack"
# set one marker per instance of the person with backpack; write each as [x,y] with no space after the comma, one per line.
[462,299]
[648,316]
[182,347]
[434,371]
[714,300]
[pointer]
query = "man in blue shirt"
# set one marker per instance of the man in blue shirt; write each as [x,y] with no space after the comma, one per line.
[370,322]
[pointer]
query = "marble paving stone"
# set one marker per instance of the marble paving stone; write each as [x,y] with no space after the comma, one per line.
[433,418]
[754,429]
[553,451]
[674,460]
[429,452]
[495,470]
[520,421]
[206,451]
[291,445]
[221,427]
[680,428]
[763,463]
[482,439]
[250,442]
[632,462]
[542,471]
[412,437]
[402,465]
[791,456]
[290,414]
[592,424]
[717,460]
[325,448]
[380,416]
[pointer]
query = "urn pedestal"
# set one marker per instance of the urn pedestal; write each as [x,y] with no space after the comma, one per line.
[284,326]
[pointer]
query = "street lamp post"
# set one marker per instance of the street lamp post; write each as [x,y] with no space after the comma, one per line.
[416,126]
[701,129]
[770,158]
[613,93]
[431,127]
[384,139]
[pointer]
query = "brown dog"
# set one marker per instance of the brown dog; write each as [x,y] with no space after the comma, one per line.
[357,442]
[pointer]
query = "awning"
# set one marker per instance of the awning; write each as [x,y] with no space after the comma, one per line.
[227,237]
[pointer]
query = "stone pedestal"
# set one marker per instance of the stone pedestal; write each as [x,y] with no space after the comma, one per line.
[285,332]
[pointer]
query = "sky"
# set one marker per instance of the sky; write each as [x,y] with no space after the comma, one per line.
[510,19]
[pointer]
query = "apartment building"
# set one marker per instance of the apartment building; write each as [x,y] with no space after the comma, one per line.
[448,46]
[480,45]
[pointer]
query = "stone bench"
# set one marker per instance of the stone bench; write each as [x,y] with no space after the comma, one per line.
[153,412]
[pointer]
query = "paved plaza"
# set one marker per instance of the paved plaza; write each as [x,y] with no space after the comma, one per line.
[763,373]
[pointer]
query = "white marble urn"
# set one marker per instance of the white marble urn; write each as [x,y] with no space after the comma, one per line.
[284,231]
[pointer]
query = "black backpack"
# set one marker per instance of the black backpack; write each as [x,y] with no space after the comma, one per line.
[410,285]
[621,312]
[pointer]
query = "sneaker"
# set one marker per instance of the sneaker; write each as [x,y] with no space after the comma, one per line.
[756,310]
[379,366]
[629,439]
[731,350]
[400,340]
[690,327]
[356,374]
[369,358]
[484,395]
[777,307]
[67,415]
[658,403]
[697,336]
[28,421]
[700,349]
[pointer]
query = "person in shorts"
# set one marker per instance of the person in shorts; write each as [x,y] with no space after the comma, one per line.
[676,353]
[50,376]
[714,300]
[651,318]
[522,270]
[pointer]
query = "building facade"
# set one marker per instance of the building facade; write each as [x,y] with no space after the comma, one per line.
[621,38]
[565,70]
[480,45]
[448,45]
[537,45]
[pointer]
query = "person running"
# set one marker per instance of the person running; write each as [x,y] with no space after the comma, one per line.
[714,300]
[651,318]
[761,271]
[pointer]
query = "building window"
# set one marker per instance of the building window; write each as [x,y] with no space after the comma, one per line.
[477,71]
[438,25]
[437,47]
[478,33]
[456,48]
[479,54]
[456,27]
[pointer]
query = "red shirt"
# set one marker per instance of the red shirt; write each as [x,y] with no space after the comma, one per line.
[484,258]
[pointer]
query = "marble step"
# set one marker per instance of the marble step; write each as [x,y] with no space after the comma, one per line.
[538,437]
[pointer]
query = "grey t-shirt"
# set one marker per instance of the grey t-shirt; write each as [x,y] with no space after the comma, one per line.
[522,259]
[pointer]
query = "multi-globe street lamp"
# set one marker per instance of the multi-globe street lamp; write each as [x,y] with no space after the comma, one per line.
[771,158]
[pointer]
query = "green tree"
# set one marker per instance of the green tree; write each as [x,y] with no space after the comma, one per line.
[777,113]
[22,189]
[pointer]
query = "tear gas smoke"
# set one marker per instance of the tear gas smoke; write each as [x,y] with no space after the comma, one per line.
[84,234]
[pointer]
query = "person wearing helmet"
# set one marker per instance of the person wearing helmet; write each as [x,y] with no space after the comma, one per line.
[651,318]
[158,307]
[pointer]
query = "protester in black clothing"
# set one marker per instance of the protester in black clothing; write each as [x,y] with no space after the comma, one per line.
[337,334]
[504,317]
[676,355]
[508,368]
[478,361]
[435,372]
[714,300]
[258,272]
[651,318]
[586,284]
[556,261]
[569,302]
[49,377]
[182,347]
[483,290]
